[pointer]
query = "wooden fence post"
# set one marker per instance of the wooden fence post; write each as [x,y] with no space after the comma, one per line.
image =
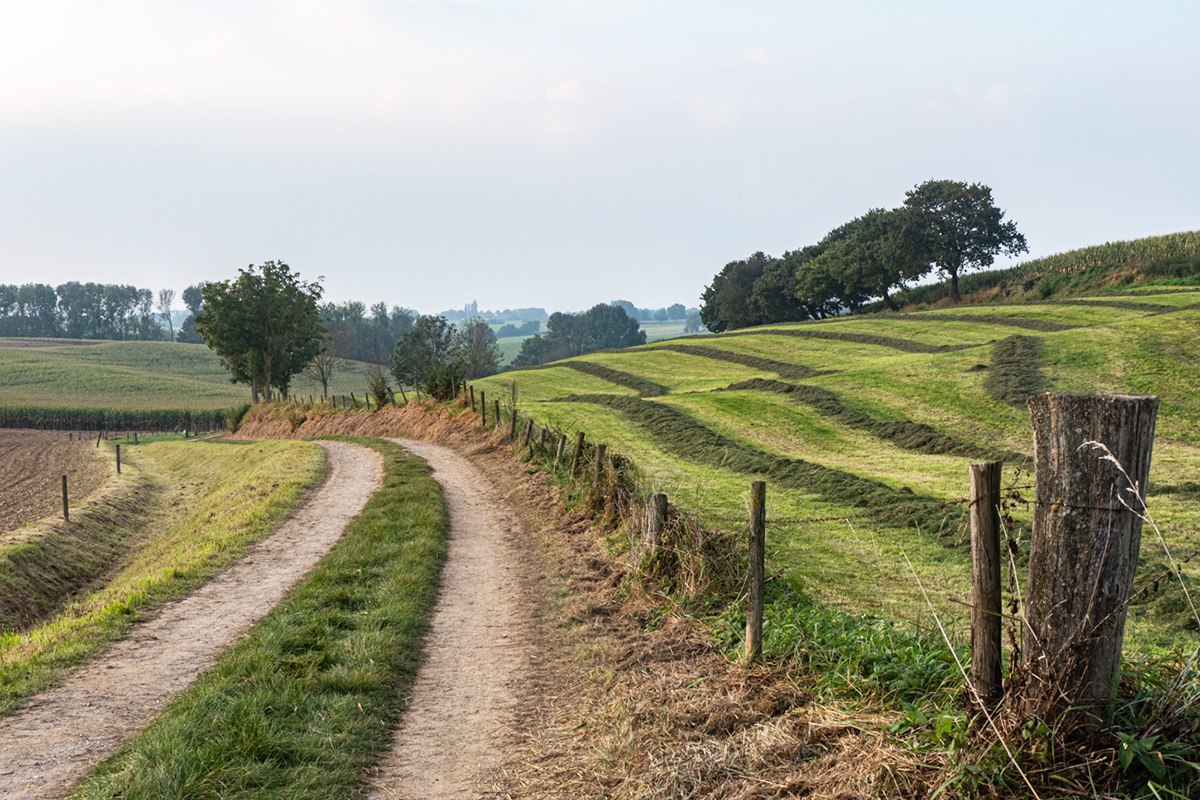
[66,511]
[562,446]
[758,542]
[496,408]
[578,453]
[1083,551]
[600,451]
[528,433]
[118,459]
[472,398]
[367,397]
[512,428]
[985,580]
[658,521]
[482,409]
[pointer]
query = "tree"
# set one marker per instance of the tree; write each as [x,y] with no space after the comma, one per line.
[885,252]
[193,300]
[165,298]
[327,361]
[426,350]
[728,302]
[959,228]
[264,324]
[676,311]
[477,349]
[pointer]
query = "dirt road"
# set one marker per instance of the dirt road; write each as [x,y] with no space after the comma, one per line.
[62,733]
[456,729]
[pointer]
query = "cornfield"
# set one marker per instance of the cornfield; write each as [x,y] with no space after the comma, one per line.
[108,419]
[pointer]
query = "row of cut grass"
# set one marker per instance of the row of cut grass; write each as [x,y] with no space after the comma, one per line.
[307,702]
[213,499]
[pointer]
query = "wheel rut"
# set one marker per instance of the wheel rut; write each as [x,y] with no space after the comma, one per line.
[457,729]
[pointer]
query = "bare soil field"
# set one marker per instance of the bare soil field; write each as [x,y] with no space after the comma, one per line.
[32,464]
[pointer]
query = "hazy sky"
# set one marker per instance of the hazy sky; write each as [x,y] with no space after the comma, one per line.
[561,153]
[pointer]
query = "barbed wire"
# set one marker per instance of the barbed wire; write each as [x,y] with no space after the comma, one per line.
[1010,493]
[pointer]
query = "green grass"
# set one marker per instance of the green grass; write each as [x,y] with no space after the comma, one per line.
[211,500]
[136,376]
[909,402]
[307,702]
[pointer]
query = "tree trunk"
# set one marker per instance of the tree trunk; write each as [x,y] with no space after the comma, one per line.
[889,302]
[1083,551]
[955,297]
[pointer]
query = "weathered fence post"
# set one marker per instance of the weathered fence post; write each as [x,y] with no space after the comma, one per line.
[512,428]
[66,511]
[658,521]
[472,399]
[578,453]
[496,408]
[600,451]
[1092,460]
[528,433]
[758,542]
[403,396]
[367,397]
[562,446]
[482,409]
[118,459]
[985,580]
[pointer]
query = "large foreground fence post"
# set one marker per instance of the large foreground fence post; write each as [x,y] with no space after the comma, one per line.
[758,541]
[1092,460]
[985,580]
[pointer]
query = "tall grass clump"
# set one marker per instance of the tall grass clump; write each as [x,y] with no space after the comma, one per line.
[307,702]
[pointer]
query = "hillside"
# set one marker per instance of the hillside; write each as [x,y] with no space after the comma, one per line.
[855,416]
[132,376]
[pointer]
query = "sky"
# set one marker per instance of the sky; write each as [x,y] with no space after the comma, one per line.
[563,153]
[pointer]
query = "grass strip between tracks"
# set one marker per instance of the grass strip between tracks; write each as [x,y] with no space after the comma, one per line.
[308,701]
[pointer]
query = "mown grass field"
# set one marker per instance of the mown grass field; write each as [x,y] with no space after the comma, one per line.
[136,376]
[880,409]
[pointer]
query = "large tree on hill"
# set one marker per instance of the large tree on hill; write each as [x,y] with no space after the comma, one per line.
[959,228]
[265,325]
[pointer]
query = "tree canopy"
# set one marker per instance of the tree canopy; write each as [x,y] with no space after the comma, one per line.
[946,225]
[265,325]
[958,227]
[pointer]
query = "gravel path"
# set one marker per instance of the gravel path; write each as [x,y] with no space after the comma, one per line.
[51,744]
[455,731]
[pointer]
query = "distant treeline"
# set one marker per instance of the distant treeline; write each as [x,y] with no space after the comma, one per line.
[79,311]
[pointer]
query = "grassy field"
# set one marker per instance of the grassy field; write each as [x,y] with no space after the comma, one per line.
[136,376]
[854,414]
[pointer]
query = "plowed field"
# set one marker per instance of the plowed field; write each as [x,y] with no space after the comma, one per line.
[32,464]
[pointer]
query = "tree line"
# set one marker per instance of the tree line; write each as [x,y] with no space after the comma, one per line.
[950,227]
[77,310]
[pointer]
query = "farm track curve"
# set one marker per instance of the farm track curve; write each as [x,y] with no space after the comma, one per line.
[60,735]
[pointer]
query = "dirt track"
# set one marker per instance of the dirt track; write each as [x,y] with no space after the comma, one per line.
[457,729]
[32,464]
[62,733]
